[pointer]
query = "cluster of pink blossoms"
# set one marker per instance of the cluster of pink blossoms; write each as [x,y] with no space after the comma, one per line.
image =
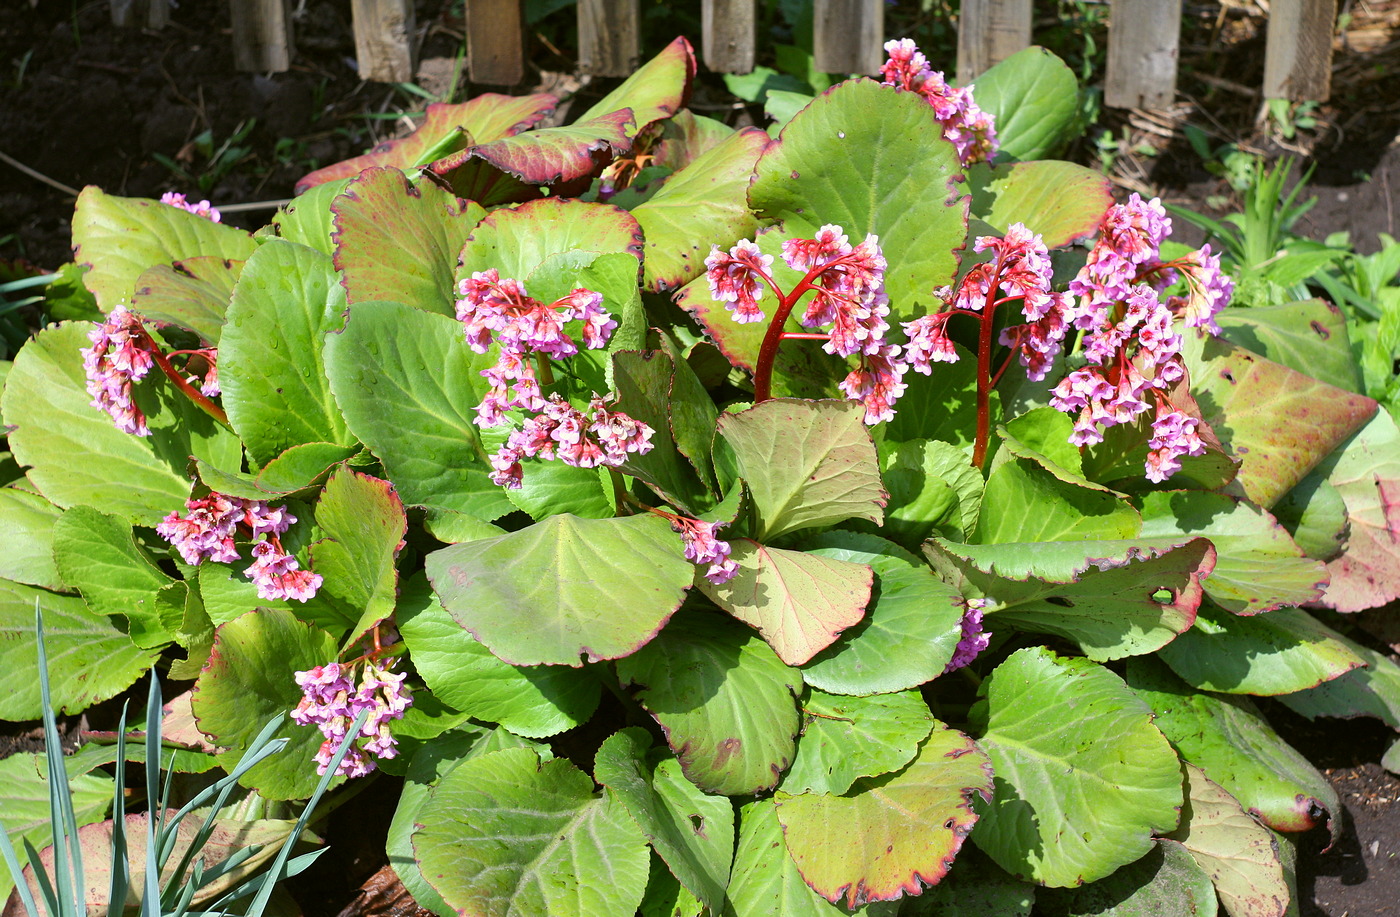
[332,701]
[970,129]
[848,286]
[121,353]
[1133,352]
[208,531]
[702,547]
[203,208]
[974,639]
[499,311]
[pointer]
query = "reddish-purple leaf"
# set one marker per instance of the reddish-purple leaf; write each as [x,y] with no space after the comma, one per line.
[519,168]
[657,90]
[1366,472]
[485,118]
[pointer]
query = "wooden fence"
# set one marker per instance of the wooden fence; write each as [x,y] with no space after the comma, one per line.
[1144,38]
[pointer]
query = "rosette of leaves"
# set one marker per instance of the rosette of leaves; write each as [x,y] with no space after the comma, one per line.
[597,727]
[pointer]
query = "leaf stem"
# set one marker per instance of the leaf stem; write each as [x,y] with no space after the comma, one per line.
[768,351]
[178,380]
[984,367]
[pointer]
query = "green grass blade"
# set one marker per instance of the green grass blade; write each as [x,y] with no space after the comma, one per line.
[26,897]
[67,855]
[121,868]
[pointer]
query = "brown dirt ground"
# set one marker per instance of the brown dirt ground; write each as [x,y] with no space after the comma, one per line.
[84,103]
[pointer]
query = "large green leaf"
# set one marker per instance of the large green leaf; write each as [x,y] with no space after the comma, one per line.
[364,524]
[90,660]
[408,384]
[1373,690]
[1166,880]
[910,630]
[847,738]
[445,128]
[646,391]
[506,834]
[192,293]
[934,490]
[249,679]
[76,453]
[941,406]
[807,463]
[1114,598]
[1315,514]
[704,204]
[799,602]
[24,799]
[270,363]
[98,555]
[724,700]
[1035,100]
[26,529]
[518,240]
[228,593]
[296,471]
[1083,777]
[1060,201]
[118,238]
[846,158]
[1280,652]
[1309,336]
[892,835]
[308,218]
[532,701]
[1277,421]
[1064,511]
[1227,738]
[1257,566]
[693,832]
[1239,854]
[437,758]
[565,589]
[398,242]
[1365,471]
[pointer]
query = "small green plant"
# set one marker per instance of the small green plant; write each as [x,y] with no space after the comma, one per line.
[1288,118]
[160,891]
[217,162]
[1227,160]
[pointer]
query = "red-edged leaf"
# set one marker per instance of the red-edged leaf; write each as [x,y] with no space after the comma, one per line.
[485,118]
[799,602]
[519,168]
[1278,422]
[686,137]
[892,835]
[1366,472]
[398,243]
[657,90]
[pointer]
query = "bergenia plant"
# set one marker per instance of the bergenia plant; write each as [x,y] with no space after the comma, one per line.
[871,512]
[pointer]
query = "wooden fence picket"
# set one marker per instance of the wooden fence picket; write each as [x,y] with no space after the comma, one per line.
[146,14]
[609,36]
[848,35]
[728,33]
[495,42]
[383,39]
[262,35]
[1298,52]
[1144,37]
[990,31]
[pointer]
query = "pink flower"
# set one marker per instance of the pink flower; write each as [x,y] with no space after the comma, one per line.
[974,639]
[1173,435]
[929,342]
[1209,290]
[971,130]
[203,208]
[702,547]
[277,574]
[331,701]
[121,353]
[877,383]
[737,279]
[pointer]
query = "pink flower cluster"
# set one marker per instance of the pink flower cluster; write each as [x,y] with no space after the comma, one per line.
[331,701]
[209,530]
[121,353]
[848,286]
[203,208]
[702,547]
[974,639]
[493,310]
[578,438]
[1130,343]
[971,130]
